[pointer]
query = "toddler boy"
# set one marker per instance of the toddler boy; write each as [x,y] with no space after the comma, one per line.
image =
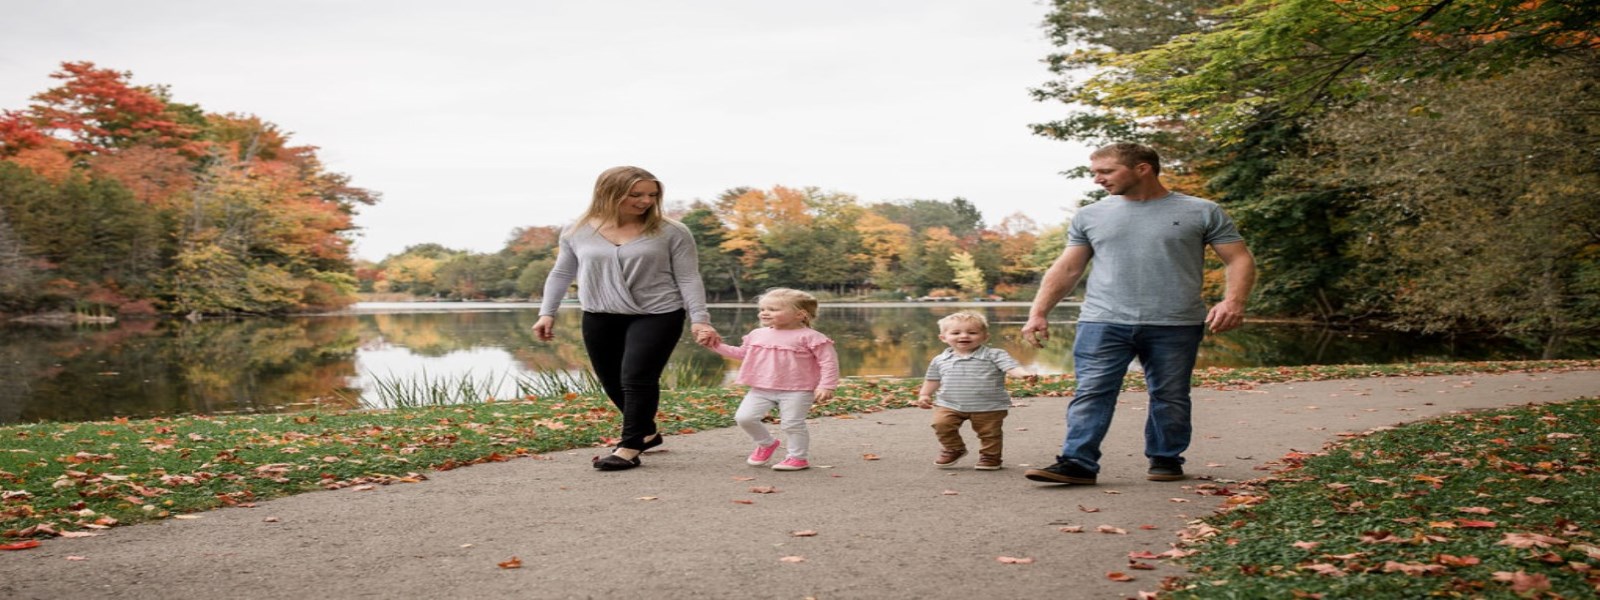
[969,381]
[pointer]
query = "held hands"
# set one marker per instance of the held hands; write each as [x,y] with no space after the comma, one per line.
[1226,315]
[545,328]
[1036,331]
[821,396]
[705,335]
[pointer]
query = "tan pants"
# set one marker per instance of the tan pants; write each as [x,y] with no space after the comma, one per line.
[989,425]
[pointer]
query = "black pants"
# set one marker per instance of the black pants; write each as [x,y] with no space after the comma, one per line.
[628,353]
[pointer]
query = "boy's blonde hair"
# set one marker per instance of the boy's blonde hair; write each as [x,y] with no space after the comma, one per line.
[795,299]
[964,317]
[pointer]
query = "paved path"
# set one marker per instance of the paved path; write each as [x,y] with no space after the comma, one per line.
[895,527]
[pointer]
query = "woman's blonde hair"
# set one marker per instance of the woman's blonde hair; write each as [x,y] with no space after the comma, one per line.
[795,299]
[612,187]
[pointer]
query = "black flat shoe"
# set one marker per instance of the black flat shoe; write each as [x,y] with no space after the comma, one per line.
[653,443]
[612,462]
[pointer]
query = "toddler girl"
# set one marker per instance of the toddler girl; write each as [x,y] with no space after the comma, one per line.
[787,365]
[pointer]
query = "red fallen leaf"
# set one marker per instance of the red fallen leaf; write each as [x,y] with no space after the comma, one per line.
[1148,527]
[514,563]
[803,533]
[1014,561]
[1470,524]
[1141,566]
[744,501]
[1451,560]
[793,559]
[1522,582]
[765,489]
[1476,510]
[1530,540]
[1119,576]
[1144,554]
[869,457]
[22,545]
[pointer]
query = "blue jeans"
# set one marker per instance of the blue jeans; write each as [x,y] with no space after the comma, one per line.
[1100,357]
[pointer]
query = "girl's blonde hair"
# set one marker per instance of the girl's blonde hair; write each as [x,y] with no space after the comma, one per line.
[612,187]
[805,303]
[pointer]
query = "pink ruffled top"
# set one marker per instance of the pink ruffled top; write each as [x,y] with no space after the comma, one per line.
[785,359]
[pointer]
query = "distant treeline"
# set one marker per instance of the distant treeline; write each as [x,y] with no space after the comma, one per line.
[114,199]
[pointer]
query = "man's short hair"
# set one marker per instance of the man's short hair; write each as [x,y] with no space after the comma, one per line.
[1130,155]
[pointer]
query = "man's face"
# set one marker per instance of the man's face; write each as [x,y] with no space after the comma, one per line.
[1115,177]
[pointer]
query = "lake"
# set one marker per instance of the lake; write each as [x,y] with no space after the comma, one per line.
[226,366]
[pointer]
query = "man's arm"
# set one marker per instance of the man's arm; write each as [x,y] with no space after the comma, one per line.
[1240,269]
[1058,281]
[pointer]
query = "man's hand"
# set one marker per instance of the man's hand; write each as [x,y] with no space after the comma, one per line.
[1036,331]
[1226,315]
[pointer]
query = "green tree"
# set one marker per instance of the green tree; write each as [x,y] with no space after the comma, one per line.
[968,277]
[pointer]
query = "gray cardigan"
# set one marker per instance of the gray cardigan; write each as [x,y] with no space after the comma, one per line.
[653,274]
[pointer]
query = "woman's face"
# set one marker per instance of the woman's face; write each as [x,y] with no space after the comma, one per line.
[640,198]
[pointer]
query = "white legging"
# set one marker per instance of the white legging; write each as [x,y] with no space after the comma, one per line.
[792,409]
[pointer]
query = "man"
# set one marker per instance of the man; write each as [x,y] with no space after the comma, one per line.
[1143,301]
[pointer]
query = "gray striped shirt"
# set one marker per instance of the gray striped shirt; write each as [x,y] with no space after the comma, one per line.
[651,275]
[972,383]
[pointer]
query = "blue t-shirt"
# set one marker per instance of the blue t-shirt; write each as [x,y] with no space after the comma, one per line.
[1149,257]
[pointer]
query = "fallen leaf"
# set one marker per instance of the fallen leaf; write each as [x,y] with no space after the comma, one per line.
[951,493]
[1471,524]
[1324,569]
[1144,554]
[1014,561]
[22,545]
[269,520]
[1110,529]
[186,517]
[793,559]
[869,457]
[1523,582]
[1072,529]
[1456,561]
[1148,527]
[1307,545]
[744,501]
[1476,510]
[363,488]
[1529,540]
[78,534]
[1538,500]
[648,498]
[803,533]
[1141,566]
[514,563]
[75,557]
[1178,500]
[1087,509]
[1119,576]
[744,479]
[765,489]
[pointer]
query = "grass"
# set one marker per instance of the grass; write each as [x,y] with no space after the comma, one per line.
[65,477]
[1495,504]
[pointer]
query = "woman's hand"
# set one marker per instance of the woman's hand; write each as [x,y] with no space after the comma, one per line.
[705,335]
[545,328]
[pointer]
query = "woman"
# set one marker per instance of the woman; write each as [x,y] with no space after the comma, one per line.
[638,276]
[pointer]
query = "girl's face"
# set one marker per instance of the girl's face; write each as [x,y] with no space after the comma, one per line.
[779,315]
[641,197]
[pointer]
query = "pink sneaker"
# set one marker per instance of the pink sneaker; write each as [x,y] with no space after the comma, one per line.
[792,464]
[762,454]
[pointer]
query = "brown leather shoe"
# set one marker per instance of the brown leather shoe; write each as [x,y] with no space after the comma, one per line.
[949,457]
[987,463]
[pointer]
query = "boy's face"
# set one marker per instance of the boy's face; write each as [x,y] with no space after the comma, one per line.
[963,336]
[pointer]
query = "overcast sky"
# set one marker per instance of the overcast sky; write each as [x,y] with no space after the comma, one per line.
[475,117]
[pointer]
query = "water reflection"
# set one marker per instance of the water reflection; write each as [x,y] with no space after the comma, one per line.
[270,365]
